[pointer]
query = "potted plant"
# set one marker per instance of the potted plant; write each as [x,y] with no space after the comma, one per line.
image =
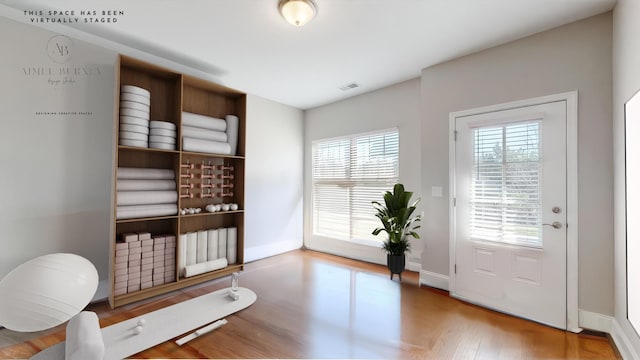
[396,216]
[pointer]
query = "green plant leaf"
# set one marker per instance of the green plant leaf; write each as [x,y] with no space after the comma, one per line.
[397,219]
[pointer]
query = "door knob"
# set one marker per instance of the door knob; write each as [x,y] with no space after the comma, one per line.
[556,225]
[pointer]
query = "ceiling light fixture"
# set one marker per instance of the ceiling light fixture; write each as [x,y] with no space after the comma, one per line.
[298,12]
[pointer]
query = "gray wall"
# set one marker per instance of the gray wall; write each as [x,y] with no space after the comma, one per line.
[394,106]
[626,79]
[273,191]
[55,184]
[572,57]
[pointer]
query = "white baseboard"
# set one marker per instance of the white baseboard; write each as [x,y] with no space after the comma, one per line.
[623,343]
[414,261]
[414,266]
[265,251]
[434,280]
[594,321]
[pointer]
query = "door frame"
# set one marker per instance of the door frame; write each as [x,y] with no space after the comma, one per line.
[571,99]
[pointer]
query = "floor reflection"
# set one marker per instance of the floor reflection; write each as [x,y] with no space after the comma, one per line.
[354,314]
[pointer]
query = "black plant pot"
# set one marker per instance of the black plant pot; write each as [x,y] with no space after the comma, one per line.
[396,264]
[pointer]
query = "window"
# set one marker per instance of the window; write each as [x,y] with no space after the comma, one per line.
[505,184]
[347,174]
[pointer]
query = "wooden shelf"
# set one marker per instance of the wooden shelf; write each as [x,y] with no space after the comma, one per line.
[172,94]
[217,213]
[222,156]
[133,148]
[124,221]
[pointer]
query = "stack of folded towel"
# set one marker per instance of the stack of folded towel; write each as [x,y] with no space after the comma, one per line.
[162,135]
[144,192]
[135,104]
[207,134]
[207,250]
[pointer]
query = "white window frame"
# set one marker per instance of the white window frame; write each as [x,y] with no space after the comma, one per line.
[351,182]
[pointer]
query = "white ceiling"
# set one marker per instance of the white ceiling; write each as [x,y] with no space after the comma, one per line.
[248,46]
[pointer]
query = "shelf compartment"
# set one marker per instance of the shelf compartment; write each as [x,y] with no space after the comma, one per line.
[164,85]
[193,223]
[189,223]
[141,149]
[155,226]
[145,219]
[209,99]
[201,181]
[143,158]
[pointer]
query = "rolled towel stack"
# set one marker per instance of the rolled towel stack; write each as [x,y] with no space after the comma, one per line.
[135,106]
[207,134]
[162,135]
[145,192]
[206,247]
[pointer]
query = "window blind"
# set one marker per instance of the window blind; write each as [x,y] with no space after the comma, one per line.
[505,185]
[347,174]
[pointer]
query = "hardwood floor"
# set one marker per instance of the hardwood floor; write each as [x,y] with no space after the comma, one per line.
[313,305]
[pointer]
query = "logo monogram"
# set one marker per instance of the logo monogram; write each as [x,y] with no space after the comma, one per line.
[63,50]
[59,48]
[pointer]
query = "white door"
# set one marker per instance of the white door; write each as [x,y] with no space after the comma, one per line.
[510,211]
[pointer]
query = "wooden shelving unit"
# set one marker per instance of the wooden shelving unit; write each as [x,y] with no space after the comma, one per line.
[171,94]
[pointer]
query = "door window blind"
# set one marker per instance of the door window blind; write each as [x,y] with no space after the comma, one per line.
[347,174]
[505,185]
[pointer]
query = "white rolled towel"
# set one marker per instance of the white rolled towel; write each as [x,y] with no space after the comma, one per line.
[145,173]
[212,246]
[202,268]
[203,121]
[233,126]
[182,253]
[146,197]
[145,185]
[232,242]
[192,248]
[201,252]
[200,133]
[205,146]
[138,211]
[222,243]
[84,338]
